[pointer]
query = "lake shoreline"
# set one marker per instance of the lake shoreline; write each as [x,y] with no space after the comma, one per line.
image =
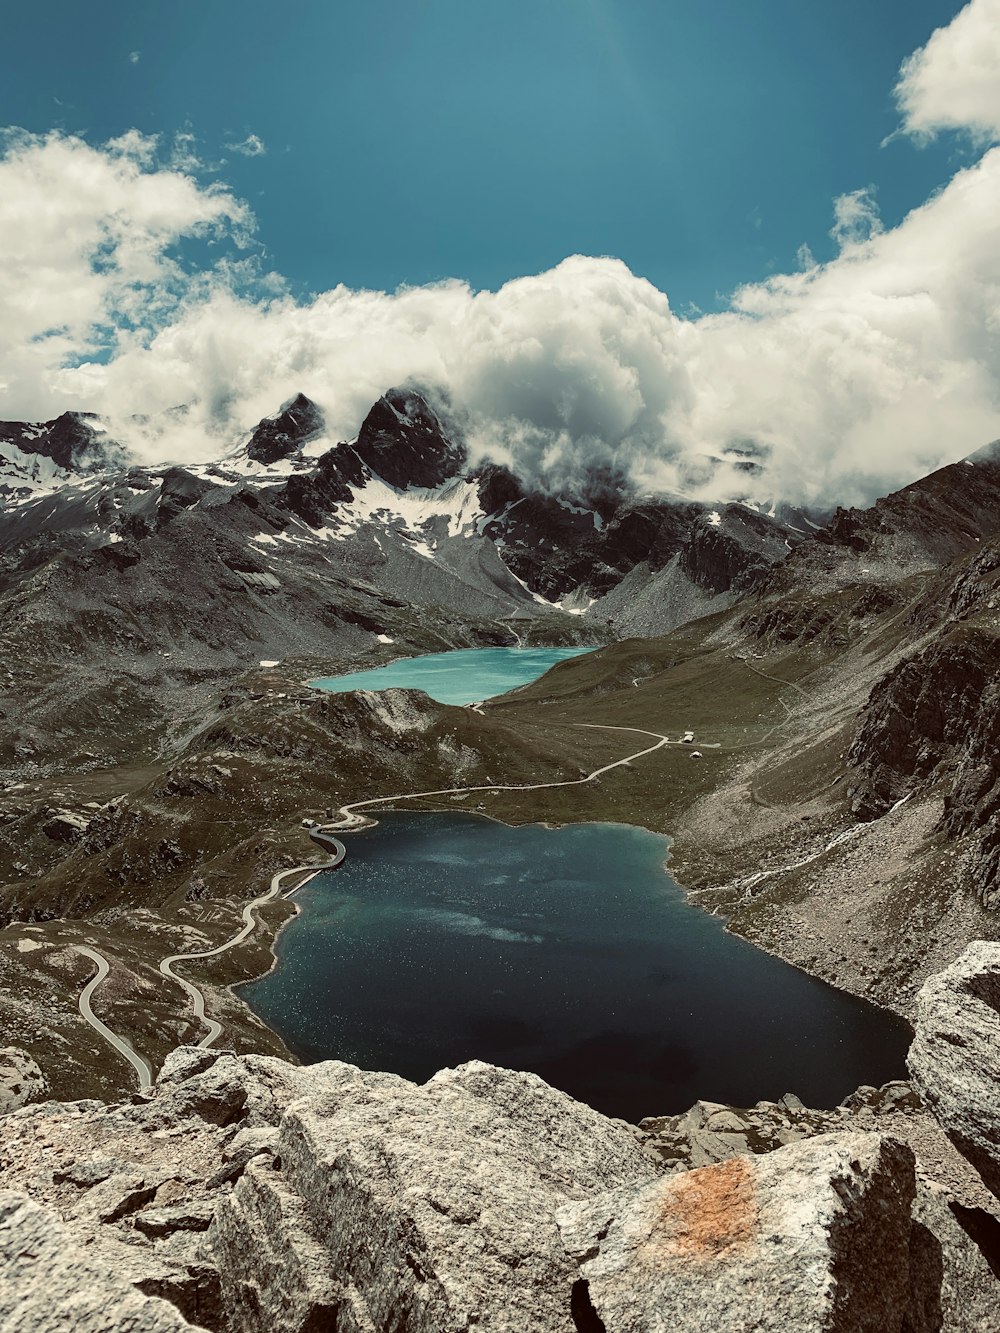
[851,1035]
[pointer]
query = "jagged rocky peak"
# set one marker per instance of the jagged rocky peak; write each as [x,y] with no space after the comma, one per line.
[404,441]
[735,547]
[284,434]
[933,520]
[497,487]
[74,441]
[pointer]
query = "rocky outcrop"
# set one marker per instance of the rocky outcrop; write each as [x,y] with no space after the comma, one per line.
[50,1285]
[283,435]
[936,718]
[64,825]
[930,522]
[955,1056]
[926,711]
[250,1194]
[314,496]
[711,1132]
[733,550]
[74,441]
[813,1236]
[403,441]
[420,1208]
[21,1080]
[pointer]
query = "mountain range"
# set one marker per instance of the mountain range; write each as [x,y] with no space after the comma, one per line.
[159,623]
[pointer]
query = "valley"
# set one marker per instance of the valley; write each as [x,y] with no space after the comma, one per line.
[163,744]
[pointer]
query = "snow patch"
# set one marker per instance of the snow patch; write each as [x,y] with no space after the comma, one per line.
[582,509]
[576,603]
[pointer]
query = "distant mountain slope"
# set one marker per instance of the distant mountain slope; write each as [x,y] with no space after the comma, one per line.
[289,497]
[41,456]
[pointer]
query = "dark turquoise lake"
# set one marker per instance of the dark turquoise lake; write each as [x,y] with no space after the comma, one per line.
[569,952]
[464,676]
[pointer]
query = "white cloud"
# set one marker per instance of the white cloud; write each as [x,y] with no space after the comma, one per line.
[87,261]
[953,83]
[847,379]
[251,146]
[134,57]
[855,217]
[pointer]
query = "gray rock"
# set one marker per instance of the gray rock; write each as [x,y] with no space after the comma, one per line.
[185,1062]
[726,1122]
[251,1090]
[365,1202]
[245,1145]
[21,1080]
[955,1057]
[64,826]
[425,1208]
[710,1132]
[813,1238]
[86,1174]
[190,1216]
[953,1254]
[174,1267]
[116,1197]
[249,1142]
[48,1286]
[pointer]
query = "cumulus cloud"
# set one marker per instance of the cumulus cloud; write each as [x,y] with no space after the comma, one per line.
[88,262]
[836,381]
[251,146]
[953,83]
[134,57]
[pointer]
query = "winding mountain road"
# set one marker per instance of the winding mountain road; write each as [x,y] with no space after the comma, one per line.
[142,1067]
[338,852]
[139,1063]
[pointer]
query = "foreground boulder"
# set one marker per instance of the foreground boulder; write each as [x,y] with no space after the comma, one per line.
[813,1236]
[48,1285]
[391,1206]
[955,1057]
[21,1080]
[247,1194]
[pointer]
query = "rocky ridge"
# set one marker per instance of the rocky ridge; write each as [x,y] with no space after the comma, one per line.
[247,1194]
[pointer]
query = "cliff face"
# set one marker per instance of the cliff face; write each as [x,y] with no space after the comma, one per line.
[734,550]
[283,435]
[249,1196]
[934,721]
[934,520]
[930,713]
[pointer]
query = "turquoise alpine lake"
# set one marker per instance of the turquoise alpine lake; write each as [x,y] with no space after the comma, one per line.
[570,952]
[464,676]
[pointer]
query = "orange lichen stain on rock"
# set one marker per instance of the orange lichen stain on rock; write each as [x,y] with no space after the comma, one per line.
[705,1213]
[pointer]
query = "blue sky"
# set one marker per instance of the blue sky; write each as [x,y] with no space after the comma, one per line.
[701,141]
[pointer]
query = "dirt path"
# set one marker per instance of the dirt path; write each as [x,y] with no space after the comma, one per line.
[352,821]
